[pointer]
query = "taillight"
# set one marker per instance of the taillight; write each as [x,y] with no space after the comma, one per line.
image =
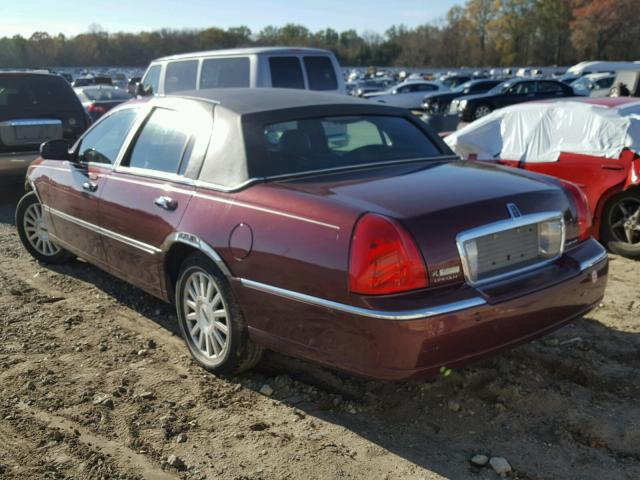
[581,204]
[384,258]
[93,108]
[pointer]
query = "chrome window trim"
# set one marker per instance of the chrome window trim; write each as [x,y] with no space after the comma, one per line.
[418,314]
[154,174]
[145,247]
[500,226]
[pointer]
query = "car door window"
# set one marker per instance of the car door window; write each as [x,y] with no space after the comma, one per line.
[320,73]
[225,72]
[163,144]
[549,88]
[425,87]
[286,72]
[102,143]
[180,76]
[151,80]
[523,88]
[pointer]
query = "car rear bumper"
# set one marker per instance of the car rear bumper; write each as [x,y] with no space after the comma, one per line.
[15,163]
[392,344]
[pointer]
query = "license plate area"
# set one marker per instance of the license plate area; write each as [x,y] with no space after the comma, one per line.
[505,248]
[29,131]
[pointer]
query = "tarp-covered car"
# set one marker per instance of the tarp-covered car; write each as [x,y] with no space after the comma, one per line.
[593,143]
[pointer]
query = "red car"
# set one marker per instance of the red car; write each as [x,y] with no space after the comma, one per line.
[592,142]
[376,252]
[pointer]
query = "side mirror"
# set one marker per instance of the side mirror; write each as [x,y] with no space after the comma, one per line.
[55,150]
[142,90]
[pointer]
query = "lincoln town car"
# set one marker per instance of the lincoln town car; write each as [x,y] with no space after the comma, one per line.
[325,227]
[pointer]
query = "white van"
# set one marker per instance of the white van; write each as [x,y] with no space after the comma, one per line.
[584,68]
[275,67]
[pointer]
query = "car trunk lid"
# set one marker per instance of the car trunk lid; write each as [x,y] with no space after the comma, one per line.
[437,201]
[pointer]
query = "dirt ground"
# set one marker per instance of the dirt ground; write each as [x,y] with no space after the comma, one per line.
[96,383]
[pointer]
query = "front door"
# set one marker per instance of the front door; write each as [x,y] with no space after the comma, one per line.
[74,189]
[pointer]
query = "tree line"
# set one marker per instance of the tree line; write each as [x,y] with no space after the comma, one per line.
[476,33]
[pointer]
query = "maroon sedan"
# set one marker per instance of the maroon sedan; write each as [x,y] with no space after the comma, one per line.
[322,226]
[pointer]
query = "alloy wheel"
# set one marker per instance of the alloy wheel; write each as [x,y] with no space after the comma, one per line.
[206,316]
[624,219]
[37,231]
[481,111]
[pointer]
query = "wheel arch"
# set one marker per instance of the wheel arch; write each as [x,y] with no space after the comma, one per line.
[177,247]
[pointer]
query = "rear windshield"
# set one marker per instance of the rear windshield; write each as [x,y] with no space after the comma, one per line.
[338,142]
[31,94]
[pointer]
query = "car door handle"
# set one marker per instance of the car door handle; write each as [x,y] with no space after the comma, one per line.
[165,202]
[89,186]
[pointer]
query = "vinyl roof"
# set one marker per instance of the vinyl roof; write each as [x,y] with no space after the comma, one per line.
[243,101]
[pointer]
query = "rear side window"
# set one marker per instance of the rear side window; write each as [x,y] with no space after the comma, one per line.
[225,73]
[320,73]
[286,72]
[102,143]
[162,144]
[151,80]
[549,87]
[180,76]
[35,94]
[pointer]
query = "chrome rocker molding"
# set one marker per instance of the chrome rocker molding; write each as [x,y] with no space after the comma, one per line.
[197,243]
[392,315]
[145,247]
[366,312]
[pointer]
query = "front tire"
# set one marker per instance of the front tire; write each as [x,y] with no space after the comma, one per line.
[210,319]
[481,110]
[620,230]
[33,230]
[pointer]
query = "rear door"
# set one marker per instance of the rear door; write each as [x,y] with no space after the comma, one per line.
[74,188]
[149,191]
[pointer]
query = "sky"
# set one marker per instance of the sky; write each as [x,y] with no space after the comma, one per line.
[71,17]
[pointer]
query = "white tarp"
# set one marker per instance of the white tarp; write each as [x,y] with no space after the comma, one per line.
[539,132]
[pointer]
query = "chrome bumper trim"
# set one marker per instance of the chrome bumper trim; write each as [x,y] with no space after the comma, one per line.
[366,312]
[593,261]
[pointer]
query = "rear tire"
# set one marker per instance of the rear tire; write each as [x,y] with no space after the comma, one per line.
[620,231]
[34,232]
[210,319]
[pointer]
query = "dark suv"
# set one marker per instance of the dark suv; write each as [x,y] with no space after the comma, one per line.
[35,108]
